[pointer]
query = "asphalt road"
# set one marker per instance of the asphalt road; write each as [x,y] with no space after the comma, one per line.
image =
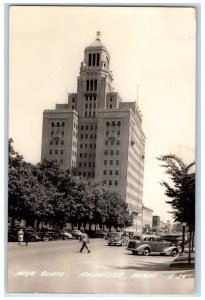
[57,267]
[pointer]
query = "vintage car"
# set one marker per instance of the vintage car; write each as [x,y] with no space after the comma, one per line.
[147,244]
[116,238]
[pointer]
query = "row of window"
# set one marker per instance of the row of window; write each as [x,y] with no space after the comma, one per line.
[57,142]
[91,85]
[58,132]
[58,124]
[86,136]
[94,59]
[87,174]
[112,152]
[111,172]
[56,151]
[111,162]
[90,114]
[87,145]
[87,127]
[90,105]
[113,123]
[85,164]
[85,155]
[90,97]
[112,132]
[112,142]
[110,182]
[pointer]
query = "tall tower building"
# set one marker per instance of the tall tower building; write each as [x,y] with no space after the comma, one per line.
[96,134]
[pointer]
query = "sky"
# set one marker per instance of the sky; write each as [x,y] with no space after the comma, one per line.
[153,48]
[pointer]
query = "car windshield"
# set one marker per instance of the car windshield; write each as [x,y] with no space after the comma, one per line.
[114,234]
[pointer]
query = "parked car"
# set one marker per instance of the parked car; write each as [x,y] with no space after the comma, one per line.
[33,235]
[75,233]
[100,233]
[147,244]
[176,239]
[65,235]
[116,238]
[48,234]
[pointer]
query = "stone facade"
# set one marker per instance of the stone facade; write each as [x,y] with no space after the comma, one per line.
[96,135]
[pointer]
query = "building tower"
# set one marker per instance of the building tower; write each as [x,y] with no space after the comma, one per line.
[96,135]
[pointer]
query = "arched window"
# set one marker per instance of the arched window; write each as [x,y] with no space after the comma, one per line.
[107,123]
[58,124]
[118,123]
[113,123]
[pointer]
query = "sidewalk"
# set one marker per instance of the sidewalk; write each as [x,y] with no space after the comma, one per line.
[181,261]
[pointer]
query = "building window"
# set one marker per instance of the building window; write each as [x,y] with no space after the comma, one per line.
[81,146]
[94,145]
[105,152]
[112,142]
[50,152]
[52,124]
[117,152]
[105,172]
[105,162]
[91,146]
[79,173]
[86,114]
[86,127]
[84,174]
[56,151]
[107,123]
[111,162]
[62,142]
[106,142]
[104,181]
[89,164]
[90,154]
[61,151]
[73,100]
[56,142]
[85,155]
[80,164]
[116,172]
[118,142]
[118,132]
[110,172]
[61,161]
[62,133]
[86,146]
[107,132]
[118,123]
[117,162]
[94,164]
[110,182]
[86,136]
[84,164]
[52,132]
[81,136]
[51,142]
[81,155]
[111,106]
[116,182]
[111,152]
[73,107]
[58,124]
[88,174]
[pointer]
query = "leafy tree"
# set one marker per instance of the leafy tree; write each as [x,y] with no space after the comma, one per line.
[181,190]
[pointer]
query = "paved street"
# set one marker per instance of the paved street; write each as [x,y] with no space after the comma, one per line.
[58,267]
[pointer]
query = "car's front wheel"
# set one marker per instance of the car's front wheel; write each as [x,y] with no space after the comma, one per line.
[146,252]
[46,238]
[174,252]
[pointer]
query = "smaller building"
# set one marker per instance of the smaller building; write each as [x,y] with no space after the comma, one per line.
[156,222]
[146,218]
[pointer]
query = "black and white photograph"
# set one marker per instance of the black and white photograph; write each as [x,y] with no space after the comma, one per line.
[102,150]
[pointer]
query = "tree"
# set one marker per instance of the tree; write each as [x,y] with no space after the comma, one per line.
[181,189]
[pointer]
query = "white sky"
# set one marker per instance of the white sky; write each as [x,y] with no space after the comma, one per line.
[150,47]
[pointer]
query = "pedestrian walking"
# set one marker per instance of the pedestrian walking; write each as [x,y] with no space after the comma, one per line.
[20,236]
[84,240]
[26,236]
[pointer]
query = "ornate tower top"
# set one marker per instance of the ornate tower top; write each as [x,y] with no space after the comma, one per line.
[98,33]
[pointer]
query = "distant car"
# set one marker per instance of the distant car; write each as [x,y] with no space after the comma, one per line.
[100,233]
[75,233]
[65,235]
[116,238]
[148,244]
[48,234]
